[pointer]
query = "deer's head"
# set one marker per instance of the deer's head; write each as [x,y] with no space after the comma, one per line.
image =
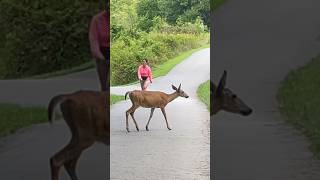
[225,99]
[180,92]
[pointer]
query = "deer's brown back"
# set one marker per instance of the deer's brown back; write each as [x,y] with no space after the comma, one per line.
[149,99]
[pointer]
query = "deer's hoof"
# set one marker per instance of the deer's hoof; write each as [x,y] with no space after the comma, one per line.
[128,130]
[169,128]
[137,129]
[147,128]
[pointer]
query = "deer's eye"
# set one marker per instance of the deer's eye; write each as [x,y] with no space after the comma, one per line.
[234,96]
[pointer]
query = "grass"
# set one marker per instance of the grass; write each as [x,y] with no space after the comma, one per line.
[116,98]
[203,93]
[79,68]
[165,68]
[14,117]
[299,101]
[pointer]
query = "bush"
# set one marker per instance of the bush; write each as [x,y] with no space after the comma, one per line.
[43,36]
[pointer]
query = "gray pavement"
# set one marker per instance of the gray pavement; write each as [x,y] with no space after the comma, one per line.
[182,153]
[258,42]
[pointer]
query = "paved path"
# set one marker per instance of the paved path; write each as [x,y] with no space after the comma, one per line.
[182,153]
[259,42]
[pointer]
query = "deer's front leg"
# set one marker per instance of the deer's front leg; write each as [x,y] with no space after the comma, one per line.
[165,117]
[152,110]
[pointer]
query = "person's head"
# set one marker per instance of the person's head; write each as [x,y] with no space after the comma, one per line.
[145,62]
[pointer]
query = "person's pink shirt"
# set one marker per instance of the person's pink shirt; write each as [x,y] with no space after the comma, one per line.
[145,71]
[99,33]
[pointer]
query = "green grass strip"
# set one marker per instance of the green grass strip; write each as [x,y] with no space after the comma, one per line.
[116,98]
[299,101]
[203,93]
[14,117]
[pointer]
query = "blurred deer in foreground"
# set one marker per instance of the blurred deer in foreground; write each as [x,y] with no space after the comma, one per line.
[151,99]
[224,99]
[87,115]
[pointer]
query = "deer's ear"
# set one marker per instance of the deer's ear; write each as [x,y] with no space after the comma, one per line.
[212,88]
[174,88]
[222,84]
[179,87]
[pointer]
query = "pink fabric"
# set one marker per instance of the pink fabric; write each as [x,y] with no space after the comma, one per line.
[99,33]
[145,71]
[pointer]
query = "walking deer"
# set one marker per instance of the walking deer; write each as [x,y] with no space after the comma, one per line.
[151,99]
[224,99]
[87,115]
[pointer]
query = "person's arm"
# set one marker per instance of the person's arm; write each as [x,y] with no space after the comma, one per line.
[139,74]
[150,74]
[93,38]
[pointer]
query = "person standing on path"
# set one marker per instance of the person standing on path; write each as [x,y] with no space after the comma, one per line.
[144,75]
[99,37]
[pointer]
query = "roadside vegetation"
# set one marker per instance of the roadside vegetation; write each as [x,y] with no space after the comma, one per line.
[43,36]
[158,30]
[116,98]
[203,93]
[299,101]
[14,117]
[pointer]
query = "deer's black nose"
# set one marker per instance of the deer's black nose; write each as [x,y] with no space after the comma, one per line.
[187,96]
[247,112]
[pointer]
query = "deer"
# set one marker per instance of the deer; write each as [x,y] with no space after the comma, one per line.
[224,99]
[151,99]
[87,115]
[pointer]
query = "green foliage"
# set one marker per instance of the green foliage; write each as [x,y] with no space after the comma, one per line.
[185,10]
[154,29]
[299,98]
[43,36]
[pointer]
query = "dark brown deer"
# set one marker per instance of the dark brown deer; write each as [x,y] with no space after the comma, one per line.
[87,115]
[224,99]
[151,99]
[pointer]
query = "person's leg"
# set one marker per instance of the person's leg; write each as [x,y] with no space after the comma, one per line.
[142,84]
[146,84]
[103,69]
[102,73]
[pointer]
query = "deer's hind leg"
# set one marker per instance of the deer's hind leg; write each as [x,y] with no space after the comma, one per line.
[151,114]
[131,112]
[165,117]
[70,165]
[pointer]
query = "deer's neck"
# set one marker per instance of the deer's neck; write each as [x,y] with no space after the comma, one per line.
[172,96]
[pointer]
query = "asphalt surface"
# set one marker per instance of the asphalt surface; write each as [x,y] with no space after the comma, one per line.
[182,153]
[258,42]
